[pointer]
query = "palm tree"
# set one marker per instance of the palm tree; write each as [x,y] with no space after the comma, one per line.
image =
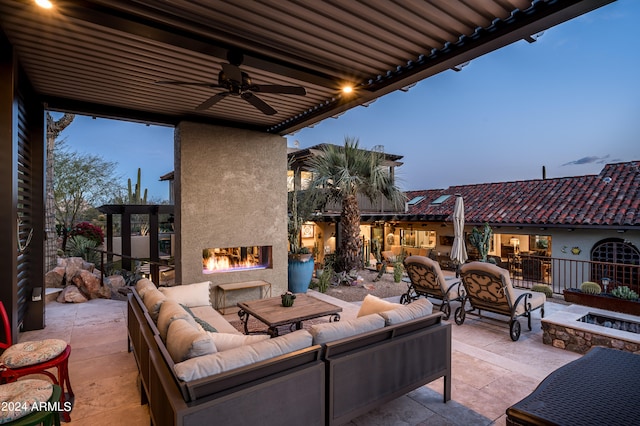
[344,172]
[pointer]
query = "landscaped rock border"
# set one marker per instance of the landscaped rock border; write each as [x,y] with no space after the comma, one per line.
[581,341]
[81,281]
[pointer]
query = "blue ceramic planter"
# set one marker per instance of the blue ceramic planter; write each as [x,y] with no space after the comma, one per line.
[299,276]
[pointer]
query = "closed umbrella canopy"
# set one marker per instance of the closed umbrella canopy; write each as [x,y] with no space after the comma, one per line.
[459,250]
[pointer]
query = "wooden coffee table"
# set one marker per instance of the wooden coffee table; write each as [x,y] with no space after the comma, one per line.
[271,312]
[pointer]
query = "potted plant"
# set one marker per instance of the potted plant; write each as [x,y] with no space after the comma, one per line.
[287,299]
[301,265]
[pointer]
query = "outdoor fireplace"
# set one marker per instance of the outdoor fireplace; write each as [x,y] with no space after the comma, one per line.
[230,195]
[232,259]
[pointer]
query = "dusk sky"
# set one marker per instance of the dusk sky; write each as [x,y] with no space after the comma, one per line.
[570,101]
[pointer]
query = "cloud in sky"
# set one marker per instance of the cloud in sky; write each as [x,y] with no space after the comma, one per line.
[587,160]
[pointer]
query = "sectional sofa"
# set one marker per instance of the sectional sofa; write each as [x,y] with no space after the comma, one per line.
[195,368]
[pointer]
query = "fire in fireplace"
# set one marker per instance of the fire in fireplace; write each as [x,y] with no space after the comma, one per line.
[231,259]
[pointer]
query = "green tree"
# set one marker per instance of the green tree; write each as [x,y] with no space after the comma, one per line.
[82,182]
[345,172]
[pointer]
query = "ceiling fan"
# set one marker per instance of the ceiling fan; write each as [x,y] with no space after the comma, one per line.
[238,83]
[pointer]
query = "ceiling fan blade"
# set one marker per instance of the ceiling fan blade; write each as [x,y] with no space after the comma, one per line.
[258,103]
[188,83]
[212,101]
[232,72]
[276,88]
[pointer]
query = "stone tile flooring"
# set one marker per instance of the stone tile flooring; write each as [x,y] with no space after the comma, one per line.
[490,372]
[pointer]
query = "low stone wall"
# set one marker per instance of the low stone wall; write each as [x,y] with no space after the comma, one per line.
[581,341]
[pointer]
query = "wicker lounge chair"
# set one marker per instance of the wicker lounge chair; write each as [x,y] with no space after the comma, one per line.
[426,279]
[488,287]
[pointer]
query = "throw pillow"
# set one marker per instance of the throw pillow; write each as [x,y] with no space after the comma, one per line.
[330,331]
[226,341]
[417,309]
[189,294]
[184,341]
[374,305]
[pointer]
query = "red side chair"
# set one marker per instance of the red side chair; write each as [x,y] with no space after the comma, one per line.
[36,357]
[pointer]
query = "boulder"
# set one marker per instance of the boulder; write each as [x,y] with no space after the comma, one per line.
[55,277]
[88,266]
[73,265]
[115,281]
[90,285]
[71,294]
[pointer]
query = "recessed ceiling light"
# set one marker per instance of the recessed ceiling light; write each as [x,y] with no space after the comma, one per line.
[347,89]
[45,4]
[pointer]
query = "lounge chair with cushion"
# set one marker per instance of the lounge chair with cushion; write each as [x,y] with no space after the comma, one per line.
[488,287]
[426,279]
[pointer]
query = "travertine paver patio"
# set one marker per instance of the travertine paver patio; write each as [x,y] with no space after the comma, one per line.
[490,372]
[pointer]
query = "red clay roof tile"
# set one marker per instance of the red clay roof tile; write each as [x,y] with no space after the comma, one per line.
[611,198]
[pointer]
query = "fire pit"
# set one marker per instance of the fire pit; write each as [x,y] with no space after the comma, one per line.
[578,328]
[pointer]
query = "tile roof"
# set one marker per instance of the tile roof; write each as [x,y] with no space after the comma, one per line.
[611,198]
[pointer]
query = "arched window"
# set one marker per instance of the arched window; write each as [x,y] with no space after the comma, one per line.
[619,252]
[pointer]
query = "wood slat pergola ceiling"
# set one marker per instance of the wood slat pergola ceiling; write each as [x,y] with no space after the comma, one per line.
[104,58]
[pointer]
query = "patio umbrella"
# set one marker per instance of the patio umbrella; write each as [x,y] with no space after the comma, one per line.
[458,250]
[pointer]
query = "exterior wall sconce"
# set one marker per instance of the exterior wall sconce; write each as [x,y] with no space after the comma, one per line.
[605,283]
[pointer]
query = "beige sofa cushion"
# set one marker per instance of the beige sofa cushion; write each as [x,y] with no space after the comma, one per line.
[226,341]
[204,366]
[184,341]
[328,332]
[374,305]
[143,285]
[213,317]
[153,300]
[189,294]
[170,311]
[420,308]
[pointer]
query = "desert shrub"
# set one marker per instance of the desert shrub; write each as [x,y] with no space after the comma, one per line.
[324,280]
[89,231]
[590,287]
[543,288]
[398,269]
[624,292]
[77,247]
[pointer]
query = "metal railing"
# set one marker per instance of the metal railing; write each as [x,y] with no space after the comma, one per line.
[561,274]
[154,267]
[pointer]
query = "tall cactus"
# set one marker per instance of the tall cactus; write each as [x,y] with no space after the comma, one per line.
[481,240]
[134,195]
